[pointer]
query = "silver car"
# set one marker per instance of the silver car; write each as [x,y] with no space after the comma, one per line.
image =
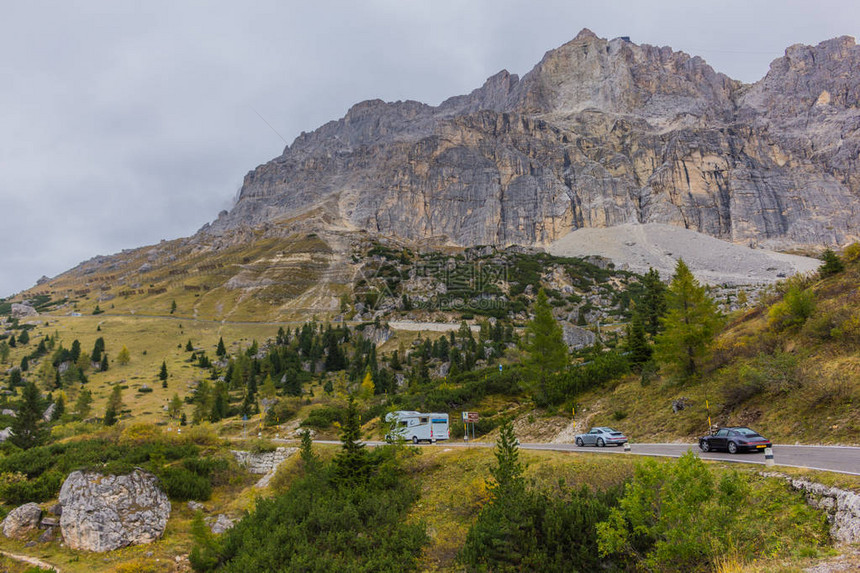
[600,437]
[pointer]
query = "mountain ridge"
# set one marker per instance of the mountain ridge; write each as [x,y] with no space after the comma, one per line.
[599,133]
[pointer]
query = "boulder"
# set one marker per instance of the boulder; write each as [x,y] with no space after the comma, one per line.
[106,512]
[5,434]
[220,523]
[22,310]
[22,520]
[576,337]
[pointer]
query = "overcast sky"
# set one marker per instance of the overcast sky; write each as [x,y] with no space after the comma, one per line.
[124,123]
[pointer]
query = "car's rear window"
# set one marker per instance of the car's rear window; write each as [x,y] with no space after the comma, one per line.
[747,432]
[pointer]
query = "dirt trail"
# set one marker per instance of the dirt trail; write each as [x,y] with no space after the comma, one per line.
[30,561]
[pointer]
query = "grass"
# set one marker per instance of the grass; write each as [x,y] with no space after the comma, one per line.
[162,339]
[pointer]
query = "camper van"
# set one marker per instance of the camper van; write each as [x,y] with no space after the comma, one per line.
[416,426]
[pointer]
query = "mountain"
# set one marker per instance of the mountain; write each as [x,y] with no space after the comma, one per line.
[600,133]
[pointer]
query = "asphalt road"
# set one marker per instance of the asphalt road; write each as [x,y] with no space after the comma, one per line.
[841,459]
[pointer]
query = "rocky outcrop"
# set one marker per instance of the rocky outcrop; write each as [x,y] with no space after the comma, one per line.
[106,512]
[600,133]
[842,507]
[22,520]
[576,337]
[22,310]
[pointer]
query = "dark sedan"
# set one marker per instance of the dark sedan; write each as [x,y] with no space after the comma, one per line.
[734,440]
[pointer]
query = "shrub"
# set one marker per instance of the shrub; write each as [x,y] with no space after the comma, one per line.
[180,484]
[323,417]
[796,306]
[140,433]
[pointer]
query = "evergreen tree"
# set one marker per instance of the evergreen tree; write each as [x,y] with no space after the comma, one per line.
[4,352]
[162,374]
[24,337]
[653,302]
[508,472]
[12,342]
[124,356]
[172,307]
[691,322]
[14,378]
[832,264]
[75,351]
[189,347]
[59,407]
[544,338]
[103,366]
[183,420]
[202,402]
[306,452]
[352,464]
[25,364]
[221,351]
[28,425]
[637,343]
[114,406]
[83,404]
[220,402]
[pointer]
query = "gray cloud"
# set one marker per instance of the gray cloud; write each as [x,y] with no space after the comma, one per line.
[122,124]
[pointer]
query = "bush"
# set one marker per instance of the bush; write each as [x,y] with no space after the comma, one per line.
[797,305]
[180,484]
[323,417]
[320,526]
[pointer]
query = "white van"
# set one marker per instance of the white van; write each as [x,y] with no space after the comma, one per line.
[416,426]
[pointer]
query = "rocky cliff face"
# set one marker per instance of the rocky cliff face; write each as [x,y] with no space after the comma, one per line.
[599,133]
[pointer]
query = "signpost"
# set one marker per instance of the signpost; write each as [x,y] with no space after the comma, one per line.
[469,418]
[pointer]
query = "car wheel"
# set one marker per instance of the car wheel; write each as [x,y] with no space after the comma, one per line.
[704,445]
[414,439]
[733,448]
[579,442]
[600,442]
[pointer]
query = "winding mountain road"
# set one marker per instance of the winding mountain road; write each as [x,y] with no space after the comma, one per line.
[840,459]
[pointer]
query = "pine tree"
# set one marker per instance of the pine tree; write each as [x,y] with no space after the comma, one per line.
[202,402]
[75,351]
[221,350]
[83,404]
[25,364]
[637,342]
[28,426]
[162,374]
[653,302]
[114,406]
[691,322]
[59,407]
[12,342]
[172,307]
[4,352]
[24,337]
[508,473]
[309,459]
[544,338]
[189,347]
[124,356]
[103,366]
[351,464]
[832,264]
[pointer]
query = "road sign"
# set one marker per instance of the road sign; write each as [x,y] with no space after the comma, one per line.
[470,417]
